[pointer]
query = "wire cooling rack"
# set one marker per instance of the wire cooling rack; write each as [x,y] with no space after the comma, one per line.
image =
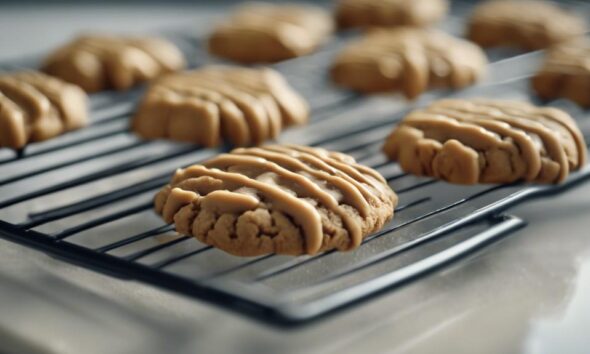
[86,197]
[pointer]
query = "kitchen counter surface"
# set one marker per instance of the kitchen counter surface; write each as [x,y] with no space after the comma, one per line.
[529,293]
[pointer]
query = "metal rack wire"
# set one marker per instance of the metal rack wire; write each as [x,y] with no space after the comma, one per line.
[86,197]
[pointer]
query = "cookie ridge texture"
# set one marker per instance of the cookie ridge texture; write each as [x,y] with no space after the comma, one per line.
[267,33]
[387,13]
[526,24]
[409,60]
[487,141]
[103,62]
[565,72]
[36,107]
[243,106]
[283,199]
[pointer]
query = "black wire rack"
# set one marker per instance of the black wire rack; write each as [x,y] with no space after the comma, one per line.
[86,197]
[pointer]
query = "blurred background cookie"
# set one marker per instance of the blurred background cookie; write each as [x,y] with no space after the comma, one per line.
[409,60]
[102,62]
[386,13]
[36,107]
[487,141]
[263,33]
[278,199]
[240,105]
[566,73]
[525,24]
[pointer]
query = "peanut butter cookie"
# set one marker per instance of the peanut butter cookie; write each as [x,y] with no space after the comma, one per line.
[264,33]
[97,63]
[387,13]
[526,24]
[486,141]
[36,107]
[241,105]
[409,60]
[278,199]
[566,73]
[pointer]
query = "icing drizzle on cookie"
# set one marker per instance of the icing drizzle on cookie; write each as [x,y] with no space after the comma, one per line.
[244,106]
[471,141]
[291,179]
[36,107]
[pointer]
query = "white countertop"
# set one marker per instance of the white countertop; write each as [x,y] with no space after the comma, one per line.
[529,293]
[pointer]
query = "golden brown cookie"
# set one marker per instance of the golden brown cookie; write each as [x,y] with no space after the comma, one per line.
[409,60]
[241,105]
[100,62]
[265,33]
[526,24]
[566,73]
[387,13]
[278,199]
[488,141]
[36,107]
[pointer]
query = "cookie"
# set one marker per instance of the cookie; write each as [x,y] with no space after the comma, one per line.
[409,60]
[488,141]
[388,13]
[36,107]
[243,106]
[266,33]
[566,73]
[97,63]
[283,199]
[525,24]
